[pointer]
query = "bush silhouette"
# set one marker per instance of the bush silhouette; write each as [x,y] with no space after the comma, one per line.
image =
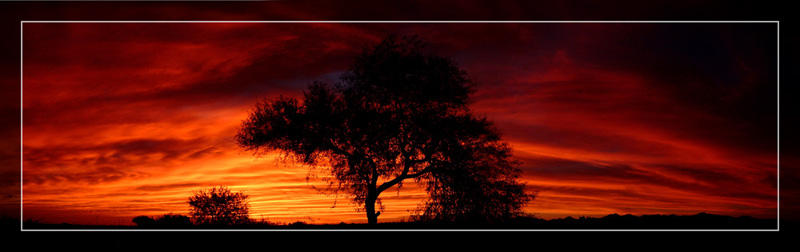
[399,113]
[219,206]
[144,221]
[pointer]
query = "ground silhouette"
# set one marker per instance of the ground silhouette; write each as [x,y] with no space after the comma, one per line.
[613,221]
[165,221]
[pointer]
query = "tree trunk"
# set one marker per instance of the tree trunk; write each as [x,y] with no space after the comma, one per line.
[369,205]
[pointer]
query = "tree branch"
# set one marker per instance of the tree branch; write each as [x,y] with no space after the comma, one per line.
[396,180]
[420,173]
[403,175]
[338,150]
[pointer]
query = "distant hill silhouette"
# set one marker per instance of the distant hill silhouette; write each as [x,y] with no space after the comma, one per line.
[613,221]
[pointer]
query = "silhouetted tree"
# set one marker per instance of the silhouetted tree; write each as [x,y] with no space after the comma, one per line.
[398,113]
[219,206]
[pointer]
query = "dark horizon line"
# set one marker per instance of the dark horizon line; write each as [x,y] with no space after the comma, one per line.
[528,218]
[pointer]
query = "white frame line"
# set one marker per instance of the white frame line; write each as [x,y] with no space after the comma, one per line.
[22,22]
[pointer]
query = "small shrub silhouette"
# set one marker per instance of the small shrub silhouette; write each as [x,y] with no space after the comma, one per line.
[144,221]
[219,206]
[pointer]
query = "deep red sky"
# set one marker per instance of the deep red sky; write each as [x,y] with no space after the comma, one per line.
[127,119]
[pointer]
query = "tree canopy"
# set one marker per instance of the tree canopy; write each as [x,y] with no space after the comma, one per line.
[398,113]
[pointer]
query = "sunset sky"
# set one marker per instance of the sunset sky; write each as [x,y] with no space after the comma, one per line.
[122,120]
